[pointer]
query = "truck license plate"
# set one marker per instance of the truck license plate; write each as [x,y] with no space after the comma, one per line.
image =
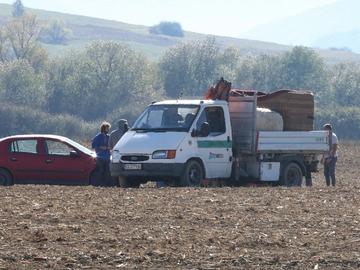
[132,166]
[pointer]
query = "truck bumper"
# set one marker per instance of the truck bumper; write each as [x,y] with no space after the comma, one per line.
[148,170]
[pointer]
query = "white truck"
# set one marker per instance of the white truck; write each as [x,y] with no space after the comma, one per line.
[183,142]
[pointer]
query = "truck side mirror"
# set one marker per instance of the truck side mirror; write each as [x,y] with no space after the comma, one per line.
[204,129]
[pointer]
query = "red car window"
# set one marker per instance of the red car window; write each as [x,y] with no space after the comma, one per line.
[24,146]
[57,148]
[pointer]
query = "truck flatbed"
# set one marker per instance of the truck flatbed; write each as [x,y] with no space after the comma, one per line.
[292,142]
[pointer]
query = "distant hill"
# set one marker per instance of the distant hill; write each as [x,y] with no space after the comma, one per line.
[344,40]
[328,26]
[87,29]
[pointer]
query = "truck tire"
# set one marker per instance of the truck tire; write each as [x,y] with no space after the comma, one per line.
[192,175]
[5,178]
[125,182]
[291,175]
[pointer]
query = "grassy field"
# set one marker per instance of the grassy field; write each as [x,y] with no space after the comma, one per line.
[87,29]
[57,227]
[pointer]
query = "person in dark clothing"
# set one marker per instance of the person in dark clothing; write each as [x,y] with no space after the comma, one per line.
[101,145]
[116,135]
[308,177]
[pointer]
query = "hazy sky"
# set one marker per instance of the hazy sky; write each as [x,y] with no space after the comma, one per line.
[218,17]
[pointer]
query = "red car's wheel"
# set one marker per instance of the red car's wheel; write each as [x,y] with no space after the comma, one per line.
[5,178]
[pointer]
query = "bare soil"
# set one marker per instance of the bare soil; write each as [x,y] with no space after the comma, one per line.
[58,227]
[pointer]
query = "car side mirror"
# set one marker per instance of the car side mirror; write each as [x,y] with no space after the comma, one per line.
[74,154]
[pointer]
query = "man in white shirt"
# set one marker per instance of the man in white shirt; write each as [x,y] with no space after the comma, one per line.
[329,160]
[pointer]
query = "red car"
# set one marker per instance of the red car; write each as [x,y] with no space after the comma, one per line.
[44,159]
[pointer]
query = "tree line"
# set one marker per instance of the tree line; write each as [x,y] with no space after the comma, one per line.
[73,93]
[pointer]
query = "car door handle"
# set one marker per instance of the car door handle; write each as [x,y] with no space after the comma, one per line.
[48,161]
[13,159]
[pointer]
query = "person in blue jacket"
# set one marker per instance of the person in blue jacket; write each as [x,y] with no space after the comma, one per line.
[101,145]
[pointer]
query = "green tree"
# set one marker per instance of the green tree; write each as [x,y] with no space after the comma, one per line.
[345,79]
[103,78]
[228,63]
[4,46]
[259,73]
[189,68]
[22,35]
[20,85]
[174,68]
[55,33]
[302,68]
[18,9]
[345,120]
[203,64]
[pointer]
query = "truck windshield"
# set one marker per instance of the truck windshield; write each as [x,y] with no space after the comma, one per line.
[162,118]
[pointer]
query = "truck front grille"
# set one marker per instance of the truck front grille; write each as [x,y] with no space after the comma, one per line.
[134,158]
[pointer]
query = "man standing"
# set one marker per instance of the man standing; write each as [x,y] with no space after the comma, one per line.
[101,145]
[116,135]
[329,160]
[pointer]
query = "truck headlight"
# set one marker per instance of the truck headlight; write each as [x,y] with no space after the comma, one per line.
[115,156]
[164,154]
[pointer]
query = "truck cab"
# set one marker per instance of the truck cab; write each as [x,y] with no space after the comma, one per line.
[176,141]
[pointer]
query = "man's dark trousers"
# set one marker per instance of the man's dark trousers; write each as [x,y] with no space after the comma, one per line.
[329,171]
[103,177]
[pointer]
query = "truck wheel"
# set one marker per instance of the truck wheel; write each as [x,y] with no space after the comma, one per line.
[125,182]
[291,175]
[5,178]
[193,174]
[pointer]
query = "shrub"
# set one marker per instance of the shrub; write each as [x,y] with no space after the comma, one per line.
[24,120]
[167,28]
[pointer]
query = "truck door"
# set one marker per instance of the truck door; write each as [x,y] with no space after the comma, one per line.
[216,148]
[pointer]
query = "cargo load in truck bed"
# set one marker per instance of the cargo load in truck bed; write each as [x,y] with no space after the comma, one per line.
[295,106]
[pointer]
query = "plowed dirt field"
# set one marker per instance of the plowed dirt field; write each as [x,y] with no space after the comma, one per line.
[57,227]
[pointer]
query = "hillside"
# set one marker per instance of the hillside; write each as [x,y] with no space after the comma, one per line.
[86,29]
[347,40]
[328,23]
